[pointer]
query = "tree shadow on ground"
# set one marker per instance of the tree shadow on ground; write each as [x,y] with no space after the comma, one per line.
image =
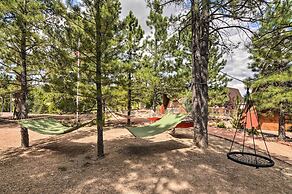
[274,137]
[182,135]
[135,166]
[52,141]
[149,148]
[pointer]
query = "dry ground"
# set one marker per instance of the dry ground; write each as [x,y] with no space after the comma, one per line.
[10,135]
[162,164]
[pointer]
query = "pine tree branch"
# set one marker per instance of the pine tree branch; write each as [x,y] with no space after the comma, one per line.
[8,67]
[169,2]
[185,26]
[228,26]
[219,6]
[277,29]
[14,48]
[277,44]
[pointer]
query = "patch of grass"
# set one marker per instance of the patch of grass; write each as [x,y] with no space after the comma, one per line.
[221,125]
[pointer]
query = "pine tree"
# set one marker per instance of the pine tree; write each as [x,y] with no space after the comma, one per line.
[5,87]
[22,43]
[205,17]
[94,23]
[272,63]
[217,81]
[132,36]
[156,46]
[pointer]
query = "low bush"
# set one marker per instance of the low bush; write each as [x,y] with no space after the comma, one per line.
[252,131]
[221,125]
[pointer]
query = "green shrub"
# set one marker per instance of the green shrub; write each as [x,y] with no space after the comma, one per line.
[252,131]
[221,125]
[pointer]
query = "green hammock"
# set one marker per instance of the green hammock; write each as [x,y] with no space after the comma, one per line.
[48,126]
[164,124]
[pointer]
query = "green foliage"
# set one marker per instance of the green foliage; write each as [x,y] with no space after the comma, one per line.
[18,21]
[217,81]
[162,65]
[221,125]
[272,59]
[272,90]
[252,131]
[42,101]
[130,56]
[77,34]
[155,60]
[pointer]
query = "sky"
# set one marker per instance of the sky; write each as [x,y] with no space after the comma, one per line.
[237,60]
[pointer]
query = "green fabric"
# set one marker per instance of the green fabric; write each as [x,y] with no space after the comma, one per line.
[45,126]
[165,123]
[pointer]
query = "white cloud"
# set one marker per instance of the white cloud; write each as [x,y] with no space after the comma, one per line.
[140,10]
[238,60]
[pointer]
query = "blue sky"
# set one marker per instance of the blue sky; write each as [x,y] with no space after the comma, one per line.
[74,1]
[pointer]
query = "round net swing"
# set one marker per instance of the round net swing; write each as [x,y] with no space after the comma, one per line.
[249,120]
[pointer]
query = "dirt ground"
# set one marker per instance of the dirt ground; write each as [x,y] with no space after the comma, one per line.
[10,136]
[281,150]
[161,164]
[10,130]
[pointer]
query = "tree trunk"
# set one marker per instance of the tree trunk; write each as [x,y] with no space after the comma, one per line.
[23,112]
[281,131]
[155,70]
[78,78]
[3,102]
[10,104]
[104,105]
[200,57]
[154,99]
[129,97]
[165,101]
[99,115]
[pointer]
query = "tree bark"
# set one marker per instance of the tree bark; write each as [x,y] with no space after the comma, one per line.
[155,69]
[200,57]
[154,99]
[99,115]
[2,107]
[281,131]
[10,103]
[165,101]
[23,112]
[129,97]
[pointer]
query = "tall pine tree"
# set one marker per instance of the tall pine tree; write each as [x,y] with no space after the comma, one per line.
[272,63]
[96,26]
[21,53]
[156,46]
[208,17]
[132,36]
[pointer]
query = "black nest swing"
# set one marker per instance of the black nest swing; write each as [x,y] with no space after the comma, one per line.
[242,156]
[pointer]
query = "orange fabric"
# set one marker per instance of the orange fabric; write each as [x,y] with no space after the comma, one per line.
[161,109]
[185,124]
[251,120]
[153,119]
